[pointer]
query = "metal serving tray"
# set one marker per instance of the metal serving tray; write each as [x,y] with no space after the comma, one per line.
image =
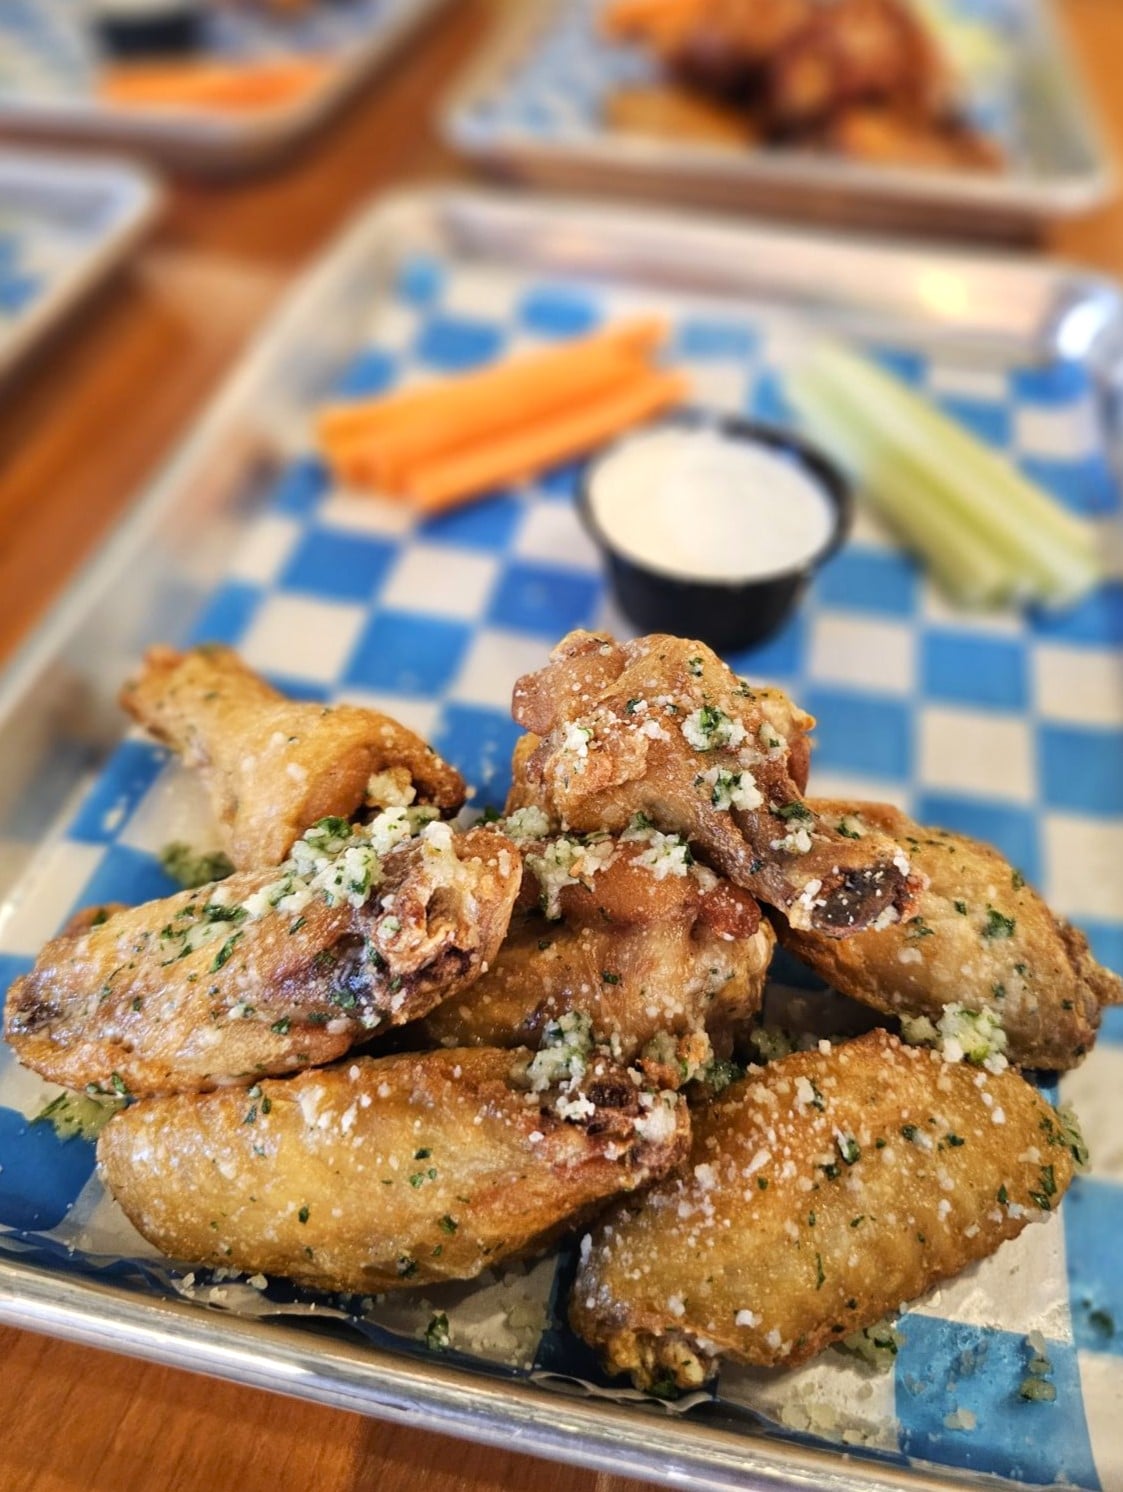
[65,225]
[530,106]
[239,536]
[47,86]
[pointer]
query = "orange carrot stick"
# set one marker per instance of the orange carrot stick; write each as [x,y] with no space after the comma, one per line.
[627,17]
[388,454]
[211,85]
[571,432]
[481,393]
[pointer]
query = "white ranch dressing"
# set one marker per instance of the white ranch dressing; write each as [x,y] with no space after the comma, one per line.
[708,506]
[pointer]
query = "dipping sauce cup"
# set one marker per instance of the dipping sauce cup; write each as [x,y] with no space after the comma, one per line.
[712,526]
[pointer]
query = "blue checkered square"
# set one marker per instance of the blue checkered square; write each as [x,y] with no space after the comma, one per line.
[1096,622]
[126,875]
[453,344]
[41,1174]
[1088,486]
[369,374]
[861,733]
[488,524]
[339,566]
[1093,1214]
[300,488]
[992,423]
[227,616]
[402,653]
[421,280]
[967,668]
[704,337]
[480,742]
[882,581]
[780,656]
[1014,830]
[559,310]
[545,599]
[944,1367]
[1082,768]
[123,783]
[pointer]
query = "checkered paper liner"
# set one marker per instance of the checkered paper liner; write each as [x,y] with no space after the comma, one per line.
[48,48]
[1005,727]
[556,90]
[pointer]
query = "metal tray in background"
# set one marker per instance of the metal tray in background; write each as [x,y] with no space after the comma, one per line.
[544,126]
[68,224]
[59,722]
[196,140]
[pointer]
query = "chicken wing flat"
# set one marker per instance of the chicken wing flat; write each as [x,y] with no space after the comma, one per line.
[274,766]
[978,937]
[818,1196]
[661,729]
[899,137]
[629,932]
[385,1172]
[854,51]
[268,971]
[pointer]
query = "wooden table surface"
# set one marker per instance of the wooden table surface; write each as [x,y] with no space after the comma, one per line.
[81,430]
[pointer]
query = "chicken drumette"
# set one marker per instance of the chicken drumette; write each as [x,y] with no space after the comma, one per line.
[659,732]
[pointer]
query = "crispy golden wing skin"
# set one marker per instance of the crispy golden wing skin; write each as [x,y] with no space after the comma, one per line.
[978,936]
[381,1172]
[638,952]
[818,1196]
[194,991]
[274,766]
[661,727]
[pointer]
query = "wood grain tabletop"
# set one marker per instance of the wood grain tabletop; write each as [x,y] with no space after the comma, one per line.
[82,429]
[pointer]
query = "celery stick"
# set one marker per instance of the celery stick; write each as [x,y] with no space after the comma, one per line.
[896,441]
[966,567]
[1056,549]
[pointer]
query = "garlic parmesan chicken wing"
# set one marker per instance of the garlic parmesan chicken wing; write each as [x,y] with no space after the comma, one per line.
[268,971]
[978,937]
[818,1195]
[388,1172]
[274,766]
[662,729]
[627,931]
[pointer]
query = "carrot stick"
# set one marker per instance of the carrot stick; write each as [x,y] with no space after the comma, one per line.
[445,483]
[627,17]
[483,391]
[226,86]
[387,455]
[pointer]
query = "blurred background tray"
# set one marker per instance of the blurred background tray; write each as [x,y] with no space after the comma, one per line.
[532,104]
[1008,727]
[65,225]
[49,63]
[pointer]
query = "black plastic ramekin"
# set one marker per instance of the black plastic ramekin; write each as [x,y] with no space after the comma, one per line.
[727,614]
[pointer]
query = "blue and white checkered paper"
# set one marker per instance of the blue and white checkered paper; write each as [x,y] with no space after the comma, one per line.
[1007,727]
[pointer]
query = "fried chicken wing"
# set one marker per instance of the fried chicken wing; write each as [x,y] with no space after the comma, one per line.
[274,766]
[661,728]
[268,971]
[979,937]
[818,1196]
[900,137]
[627,932]
[384,1172]
[854,51]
